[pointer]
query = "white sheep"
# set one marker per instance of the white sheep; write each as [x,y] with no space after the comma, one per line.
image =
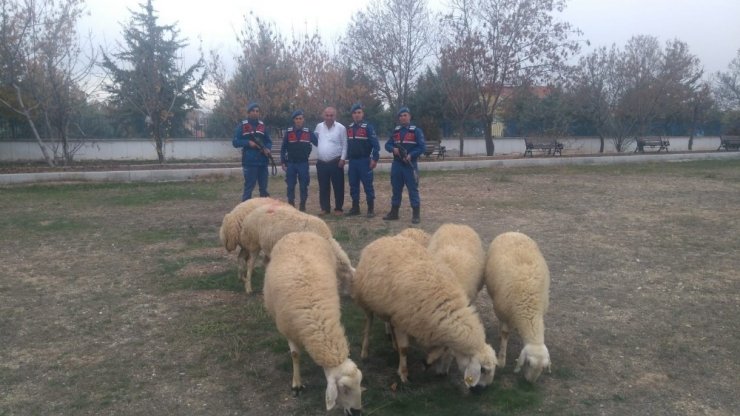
[231,229]
[302,297]
[518,281]
[398,280]
[266,225]
[460,248]
[417,234]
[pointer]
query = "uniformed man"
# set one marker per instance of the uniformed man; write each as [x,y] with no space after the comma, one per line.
[407,144]
[363,151]
[252,137]
[294,154]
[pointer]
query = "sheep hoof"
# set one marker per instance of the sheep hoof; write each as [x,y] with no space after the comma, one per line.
[298,390]
[477,389]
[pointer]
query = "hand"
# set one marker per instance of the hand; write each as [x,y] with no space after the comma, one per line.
[285,167]
[252,144]
[373,164]
[266,152]
[408,158]
[395,152]
[341,164]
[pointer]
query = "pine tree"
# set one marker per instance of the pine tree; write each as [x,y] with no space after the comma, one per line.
[147,83]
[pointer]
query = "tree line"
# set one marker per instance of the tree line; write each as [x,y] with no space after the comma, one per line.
[477,65]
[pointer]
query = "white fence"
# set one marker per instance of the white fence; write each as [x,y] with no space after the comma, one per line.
[221,149]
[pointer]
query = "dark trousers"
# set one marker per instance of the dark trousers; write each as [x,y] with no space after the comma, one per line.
[254,175]
[329,175]
[359,172]
[404,175]
[299,171]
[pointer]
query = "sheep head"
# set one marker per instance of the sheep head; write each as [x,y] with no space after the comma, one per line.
[479,369]
[534,359]
[343,387]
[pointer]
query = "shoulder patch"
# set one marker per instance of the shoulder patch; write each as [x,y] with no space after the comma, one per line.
[306,129]
[412,128]
[397,128]
[290,129]
[363,125]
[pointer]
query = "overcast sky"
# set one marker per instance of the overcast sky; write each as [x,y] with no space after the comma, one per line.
[710,27]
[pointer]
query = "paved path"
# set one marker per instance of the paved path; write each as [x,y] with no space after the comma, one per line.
[157,175]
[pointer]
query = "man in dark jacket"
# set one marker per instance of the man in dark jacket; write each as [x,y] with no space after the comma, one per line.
[254,140]
[294,157]
[363,151]
[406,144]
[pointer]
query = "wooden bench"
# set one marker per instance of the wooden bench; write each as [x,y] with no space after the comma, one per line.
[652,142]
[552,147]
[435,148]
[729,143]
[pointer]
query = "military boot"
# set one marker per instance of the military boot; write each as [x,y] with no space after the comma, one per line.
[355,209]
[415,219]
[302,207]
[370,209]
[393,215]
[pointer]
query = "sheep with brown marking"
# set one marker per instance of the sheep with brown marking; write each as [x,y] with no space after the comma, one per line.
[301,295]
[400,282]
[518,281]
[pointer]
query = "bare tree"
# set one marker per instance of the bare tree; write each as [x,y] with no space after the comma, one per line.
[507,41]
[389,42]
[637,91]
[326,79]
[726,89]
[462,96]
[42,67]
[727,85]
[265,73]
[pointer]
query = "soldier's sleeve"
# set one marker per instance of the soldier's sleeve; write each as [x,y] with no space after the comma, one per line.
[374,143]
[421,144]
[284,150]
[239,140]
[389,144]
[268,141]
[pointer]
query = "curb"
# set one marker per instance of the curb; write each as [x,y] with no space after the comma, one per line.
[163,175]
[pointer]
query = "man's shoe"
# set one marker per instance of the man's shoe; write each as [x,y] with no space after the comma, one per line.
[323,213]
[371,209]
[355,209]
[338,212]
[302,207]
[393,215]
[416,218]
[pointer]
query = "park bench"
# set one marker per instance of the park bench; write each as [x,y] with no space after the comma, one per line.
[652,142]
[729,143]
[435,149]
[552,147]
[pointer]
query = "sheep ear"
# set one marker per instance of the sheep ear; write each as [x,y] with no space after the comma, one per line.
[331,394]
[472,373]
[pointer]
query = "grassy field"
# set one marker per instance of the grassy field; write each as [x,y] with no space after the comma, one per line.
[119,299]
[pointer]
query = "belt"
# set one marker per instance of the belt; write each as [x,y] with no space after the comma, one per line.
[335,160]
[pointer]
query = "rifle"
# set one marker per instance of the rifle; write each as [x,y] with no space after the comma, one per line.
[261,146]
[402,153]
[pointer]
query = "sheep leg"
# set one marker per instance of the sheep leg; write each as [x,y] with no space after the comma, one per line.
[295,355]
[241,263]
[248,277]
[366,334]
[504,331]
[403,348]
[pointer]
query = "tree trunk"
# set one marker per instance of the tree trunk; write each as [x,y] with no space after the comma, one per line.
[44,150]
[488,134]
[461,134]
